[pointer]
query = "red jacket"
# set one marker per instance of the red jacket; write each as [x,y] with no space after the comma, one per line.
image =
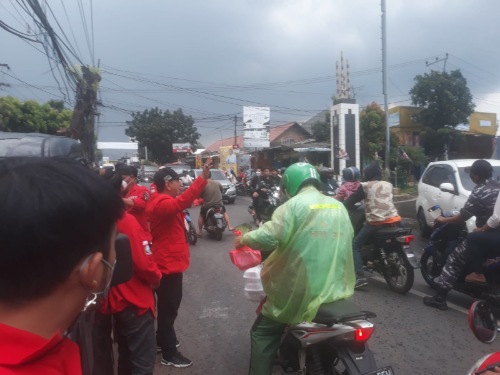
[25,353]
[137,291]
[166,216]
[140,196]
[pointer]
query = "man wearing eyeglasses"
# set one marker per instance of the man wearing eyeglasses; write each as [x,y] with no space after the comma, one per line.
[171,252]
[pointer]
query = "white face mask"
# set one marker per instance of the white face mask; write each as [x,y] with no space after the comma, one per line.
[258,173]
[124,185]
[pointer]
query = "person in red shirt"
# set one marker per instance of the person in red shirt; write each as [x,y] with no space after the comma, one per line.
[135,197]
[53,262]
[171,252]
[132,303]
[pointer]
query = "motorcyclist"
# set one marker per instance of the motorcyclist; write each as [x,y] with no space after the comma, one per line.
[351,177]
[260,185]
[309,238]
[379,209]
[479,204]
[211,195]
[328,184]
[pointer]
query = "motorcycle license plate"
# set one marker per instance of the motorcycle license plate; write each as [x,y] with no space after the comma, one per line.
[381,371]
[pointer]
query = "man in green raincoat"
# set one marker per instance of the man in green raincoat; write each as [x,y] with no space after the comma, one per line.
[310,237]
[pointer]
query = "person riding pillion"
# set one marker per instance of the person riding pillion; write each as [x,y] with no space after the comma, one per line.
[379,212]
[309,238]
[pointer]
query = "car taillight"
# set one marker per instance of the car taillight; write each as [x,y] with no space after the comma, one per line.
[363,334]
[406,239]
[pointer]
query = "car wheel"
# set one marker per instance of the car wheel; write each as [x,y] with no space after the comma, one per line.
[425,230]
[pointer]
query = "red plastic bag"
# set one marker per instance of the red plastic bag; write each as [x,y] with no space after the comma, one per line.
[245,257]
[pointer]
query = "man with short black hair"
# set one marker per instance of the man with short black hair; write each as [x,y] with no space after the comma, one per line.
[57,231]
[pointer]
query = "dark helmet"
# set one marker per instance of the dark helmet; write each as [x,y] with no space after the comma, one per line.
[351,174]
[482,169]
[372,172]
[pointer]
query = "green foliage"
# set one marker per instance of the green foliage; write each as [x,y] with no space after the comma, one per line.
[446,102]
[372,132]
[157,130]
[321,129]
[31,117]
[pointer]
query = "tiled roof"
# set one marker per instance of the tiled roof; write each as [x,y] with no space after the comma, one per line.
[274,133]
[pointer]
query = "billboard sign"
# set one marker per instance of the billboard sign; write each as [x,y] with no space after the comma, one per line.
[181,147]
[256,125]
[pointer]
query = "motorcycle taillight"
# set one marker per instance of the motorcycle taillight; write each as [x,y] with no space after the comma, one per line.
[406,239]
[363,334]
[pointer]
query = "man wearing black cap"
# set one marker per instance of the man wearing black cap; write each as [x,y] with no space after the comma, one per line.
[379,212]
[171,252]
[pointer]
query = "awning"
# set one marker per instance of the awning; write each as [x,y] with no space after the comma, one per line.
[312,149]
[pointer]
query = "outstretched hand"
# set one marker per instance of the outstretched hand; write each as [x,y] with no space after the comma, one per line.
[206,169]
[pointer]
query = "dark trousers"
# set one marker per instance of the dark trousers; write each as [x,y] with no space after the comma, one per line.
[169,299]
[135,335]
[102,344]
[482,245]
[265,339]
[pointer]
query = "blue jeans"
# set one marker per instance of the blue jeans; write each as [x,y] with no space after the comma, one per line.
[361,238]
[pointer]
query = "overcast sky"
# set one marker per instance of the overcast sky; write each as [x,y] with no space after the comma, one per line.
[211,58]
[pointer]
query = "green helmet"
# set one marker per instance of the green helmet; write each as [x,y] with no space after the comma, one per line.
[296,176]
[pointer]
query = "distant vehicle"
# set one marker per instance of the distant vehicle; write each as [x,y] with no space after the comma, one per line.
[228,189]
[179,168]
[40,145]
[447,184]
[147,173]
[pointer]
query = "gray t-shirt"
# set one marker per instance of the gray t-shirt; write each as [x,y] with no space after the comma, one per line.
[212,194]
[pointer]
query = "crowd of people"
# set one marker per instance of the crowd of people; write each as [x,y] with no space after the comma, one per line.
[58,228]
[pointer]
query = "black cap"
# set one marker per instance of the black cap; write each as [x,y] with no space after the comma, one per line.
[166,174]
[127,170]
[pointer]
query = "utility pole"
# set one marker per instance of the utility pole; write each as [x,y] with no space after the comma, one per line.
[445,59]
[83,121]
[235,137]
[8,68]
[384,84]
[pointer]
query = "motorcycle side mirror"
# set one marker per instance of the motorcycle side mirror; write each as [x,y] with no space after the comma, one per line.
[434,208]
[482,323]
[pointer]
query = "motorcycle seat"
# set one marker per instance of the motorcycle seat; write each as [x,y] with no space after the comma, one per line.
[392,231]
[339,311]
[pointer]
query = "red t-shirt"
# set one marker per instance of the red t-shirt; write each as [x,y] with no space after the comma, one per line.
[25,353]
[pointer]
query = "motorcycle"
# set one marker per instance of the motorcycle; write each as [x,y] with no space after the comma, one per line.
[214,222]
[335,342]
[483,325]
[270,200]
[388,253]
[190,229]
[444,238]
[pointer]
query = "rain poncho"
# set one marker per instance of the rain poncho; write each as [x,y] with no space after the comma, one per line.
[312,262]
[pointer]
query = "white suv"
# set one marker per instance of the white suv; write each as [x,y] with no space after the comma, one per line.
[446,183]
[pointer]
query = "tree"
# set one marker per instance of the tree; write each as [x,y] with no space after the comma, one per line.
[372,131]
[157,130]
[31,117]
[321,129]
[446,102]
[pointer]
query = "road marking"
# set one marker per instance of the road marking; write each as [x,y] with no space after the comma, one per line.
[422,295]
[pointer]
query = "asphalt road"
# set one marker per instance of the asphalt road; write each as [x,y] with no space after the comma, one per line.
[215,318]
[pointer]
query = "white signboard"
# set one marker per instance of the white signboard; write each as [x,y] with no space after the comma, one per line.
[393,119]
[256,143]
[485,123]
[256,120]
[256,117]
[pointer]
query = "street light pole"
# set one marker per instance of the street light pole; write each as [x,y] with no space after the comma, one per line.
[384,84]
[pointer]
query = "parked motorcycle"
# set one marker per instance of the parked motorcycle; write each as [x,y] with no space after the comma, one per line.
[334,343]
[443,240]
[388,253]
[214,222]
[190,229]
